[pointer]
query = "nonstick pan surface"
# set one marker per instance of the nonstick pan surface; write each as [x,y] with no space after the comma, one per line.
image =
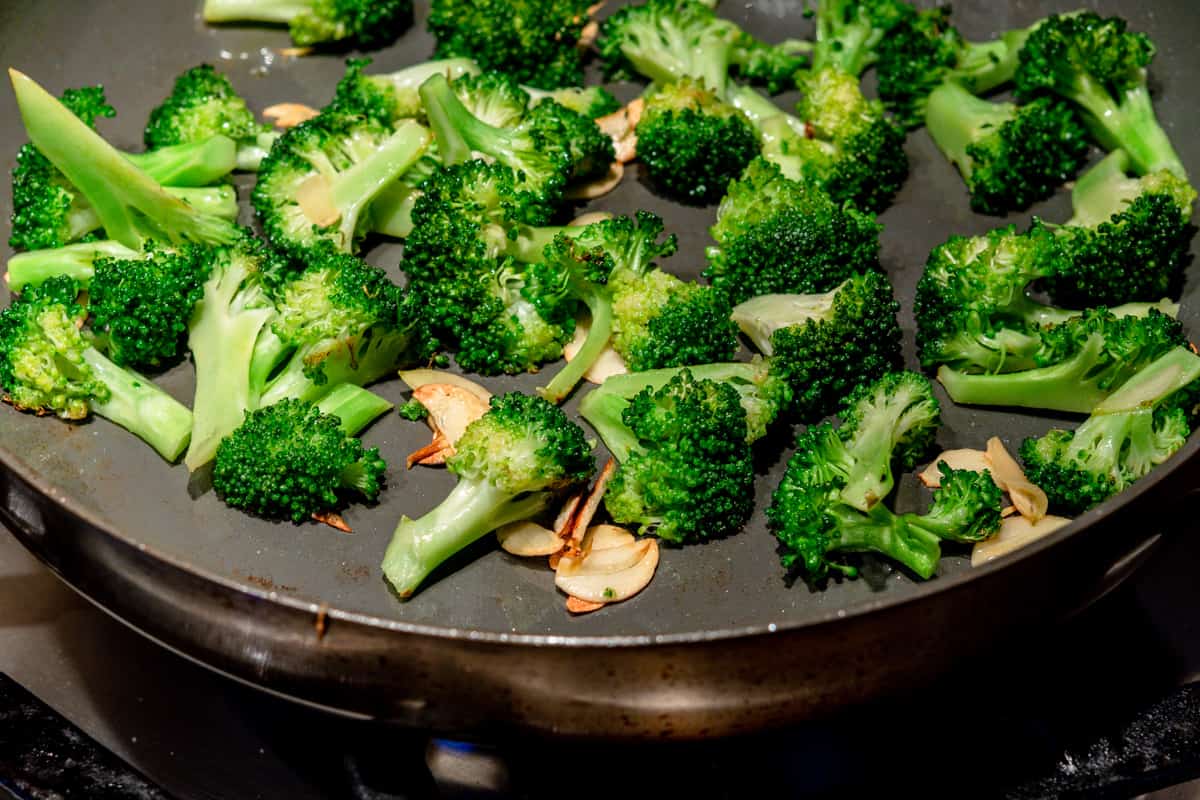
[158,549]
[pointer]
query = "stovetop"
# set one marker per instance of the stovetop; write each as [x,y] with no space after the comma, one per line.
[1097,707]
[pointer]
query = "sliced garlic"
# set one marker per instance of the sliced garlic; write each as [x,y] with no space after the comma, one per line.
[974,460]
[606,561]
[528,539]
[416,378]
[1029,500]
[598,187]
[582,520]
[605,536]
[451,409]
[577,606]
[611,587]
[316,201]
[289,115]
[620,126]
[1014,533]
[609,362]
[583,220]
[587,37]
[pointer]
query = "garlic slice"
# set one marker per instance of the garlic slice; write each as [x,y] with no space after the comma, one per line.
[598,187]
[608,364]
[289,115]
[611,587]
[604,537]
[1030,500]
[416,378]
[604,562]
[974,460]
[587,218]
[620,126]
[528,539]
[451,410]
[316,202]
[1014,533]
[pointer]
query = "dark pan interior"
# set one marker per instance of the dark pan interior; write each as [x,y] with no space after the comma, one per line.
[735,583]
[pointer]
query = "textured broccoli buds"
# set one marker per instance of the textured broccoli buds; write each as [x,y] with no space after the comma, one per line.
[367,24]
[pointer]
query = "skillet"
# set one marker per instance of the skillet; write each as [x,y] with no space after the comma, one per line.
[718,643]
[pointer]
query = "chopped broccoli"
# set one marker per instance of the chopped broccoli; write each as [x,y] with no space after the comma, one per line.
[1078,363]
[317,185]
[826,344]
[850,32]
[131,206]
[1137,428]
[692,143]
[294,459]
[779,236]
[48,365]
[535,41]
[203,104]
[511,463]
[367,24]
[1010,156]
[1098,64]
[690,475]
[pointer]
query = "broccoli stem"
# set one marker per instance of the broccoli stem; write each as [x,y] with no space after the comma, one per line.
[391,213]
[124,197]
[355,406]
[195,164]
[1164,376]
[956,119]
[471,510]
[870,479]
[599,303]
[75,261]
[251,154]
[760,317]
[1128,122]
[881,531]
[359,361]
[280,12]
[140,407]
[1068,386]
[1103,190]
[411,78]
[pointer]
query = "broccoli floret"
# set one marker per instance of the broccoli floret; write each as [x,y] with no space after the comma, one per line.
[131,207]
[1077,365]
[925,50]
[826,344]
[340,320]
[592,102]
[779,236]
[973,307]
[850,32]
[660,321]
[589,149]
[1128,239]
[468,257]
[316,186]
[511,463]
[535,150]
[1010,156]
[366,24]
[1098,64]
[764,395]
[413,411]
[203,104]
[692,143]
[48,365]
[1137,428]
[840,140]
[690,475]
[295,459]
[391,97]
[535,41]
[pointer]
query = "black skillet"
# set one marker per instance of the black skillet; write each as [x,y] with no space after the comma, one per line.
[719,642]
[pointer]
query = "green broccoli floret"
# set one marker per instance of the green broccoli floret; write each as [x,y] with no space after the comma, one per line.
[925,50]
[1138,427]
[592,102]
[468,257]
[1128,239]
[48,365]
[1078,364]
[589,149]
[830,501]
[131,207]
[535,41]
[771,65]
[840,140]
[692,143]
[316,186]
[391,97]
[851,32]
[413,411]
[1010,156]
[1098,64]
[511,464]
[779,236]
[826,344]
[339,320]
[366,24]
[690,475]
[48,211]
[295,459]
[973,307]
[203,104]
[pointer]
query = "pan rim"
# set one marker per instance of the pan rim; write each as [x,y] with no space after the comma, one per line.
[923,592]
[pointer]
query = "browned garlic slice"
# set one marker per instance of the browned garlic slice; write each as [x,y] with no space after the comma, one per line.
[605,561]
[1015,533]
[1030,501]
[585,219]
[528,539]
[608,364]
[451,409]
[620,126]
[598,580]
[316,201]
[974,460]
[296,52]
[587,37]
[289,115]
[416,378]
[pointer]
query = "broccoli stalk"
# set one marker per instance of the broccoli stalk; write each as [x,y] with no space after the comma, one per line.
[74,261]
[1139,426]
[364,23]
[390,97]
[199,163]
[511,463]
[850,32]
[131,206]
[1099,65]
[1010,156]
